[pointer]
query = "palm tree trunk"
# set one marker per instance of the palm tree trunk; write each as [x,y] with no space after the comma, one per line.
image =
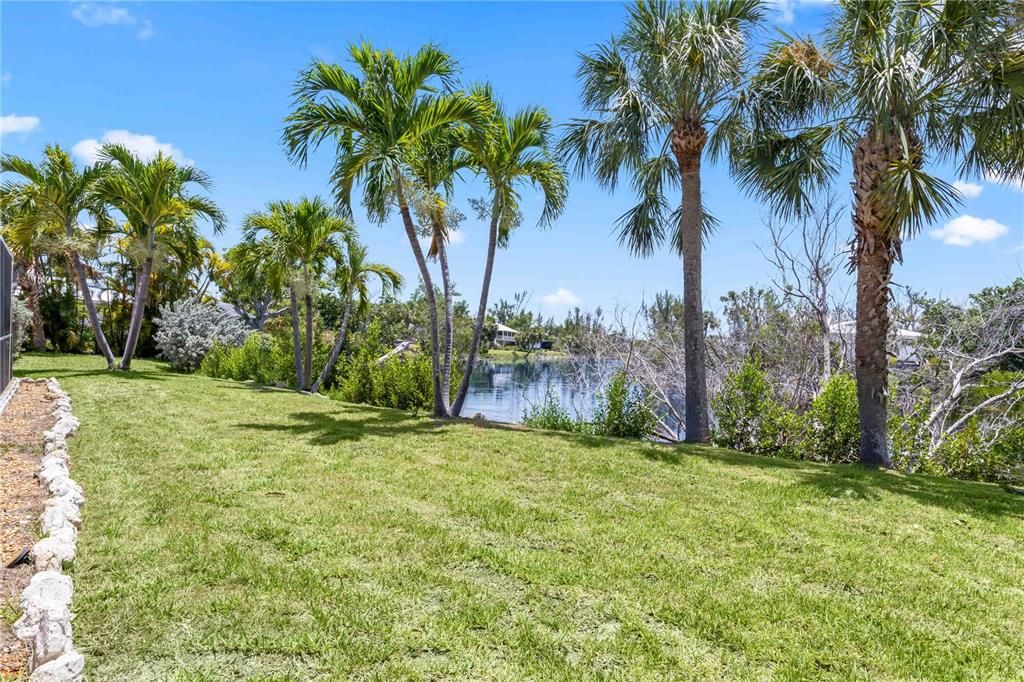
[481,311]
[297,339]
[309,338]
[90,307]
[30,283]
[336,351]
[687,143]
[449,317]
[874,252]
[440,399]
[138,311]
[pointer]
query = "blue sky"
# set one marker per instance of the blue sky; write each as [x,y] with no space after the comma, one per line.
[211,83]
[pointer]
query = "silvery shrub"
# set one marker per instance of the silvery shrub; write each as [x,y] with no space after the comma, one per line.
[187,329]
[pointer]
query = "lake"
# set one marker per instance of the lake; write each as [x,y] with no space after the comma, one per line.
[503,391]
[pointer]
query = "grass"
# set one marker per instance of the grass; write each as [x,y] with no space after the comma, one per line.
[235,532]
[512,355]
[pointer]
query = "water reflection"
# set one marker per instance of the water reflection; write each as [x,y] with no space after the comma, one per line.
[502,391]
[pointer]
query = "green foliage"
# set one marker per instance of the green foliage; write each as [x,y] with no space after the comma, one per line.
[64,321]
[21,320]
[549,414]
[623,410]
[265,358]
[750,419]
[403,382]
[833,423]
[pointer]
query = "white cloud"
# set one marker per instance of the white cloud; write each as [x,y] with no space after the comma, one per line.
[95,14]
[785,10]
[968,189]
[145,146]
[1016,183]
[561,297]
[456,237]
[967,230]
[6,78]
[102,14]
[12,123]
[146,32]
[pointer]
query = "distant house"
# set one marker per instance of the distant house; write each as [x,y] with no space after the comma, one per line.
[506,336]
[902,349]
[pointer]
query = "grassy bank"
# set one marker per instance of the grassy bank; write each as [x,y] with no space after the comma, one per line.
[235,531]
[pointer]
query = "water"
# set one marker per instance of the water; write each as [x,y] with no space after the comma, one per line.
[503,391]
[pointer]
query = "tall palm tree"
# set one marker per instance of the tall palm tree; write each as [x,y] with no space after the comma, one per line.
[154,198]
[663,93]
[510,152]
[300,237]
[49,202]
[894,81]
[377,113]
[352,275]
[435,164]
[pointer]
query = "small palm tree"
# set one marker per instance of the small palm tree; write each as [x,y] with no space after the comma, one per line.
[656,90]
[352,276]
[159,210]
[510,152]
[894,80]
[377,114]
[300,238]
[45,208]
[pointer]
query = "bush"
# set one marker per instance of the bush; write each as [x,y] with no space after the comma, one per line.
[403,382]
[623,410]
[187,330]
[833,422]
[549,414]
[22,324]
[749,419]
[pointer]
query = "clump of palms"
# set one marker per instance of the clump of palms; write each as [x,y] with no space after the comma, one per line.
[509,152]
[42,212]
[663,93]
[377,114]
[159,212]
[293,243]
[352,275]
[893,83]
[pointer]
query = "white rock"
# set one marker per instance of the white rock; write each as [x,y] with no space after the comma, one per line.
[58,511]
[47,591]
[67,668]
[51,553]
[66,487]
[48,473]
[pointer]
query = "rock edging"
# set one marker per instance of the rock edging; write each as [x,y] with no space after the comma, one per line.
[45,624]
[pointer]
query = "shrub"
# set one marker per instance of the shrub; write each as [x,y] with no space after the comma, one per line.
[549,414]
[749,419]
[623,410]
[21,318]
[833,423]
[403,382]
[186,330]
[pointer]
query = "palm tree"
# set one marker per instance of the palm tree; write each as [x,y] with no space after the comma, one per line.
[154,198]
[47,206]
[353,275]
[894,80]
[377,114]
[510,152]
[435,164]
[301,238]
[656,90]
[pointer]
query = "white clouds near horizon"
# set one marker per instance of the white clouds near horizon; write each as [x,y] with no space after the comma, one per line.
[562,297]
[12,123]
[144,146]
[967,230]
[95,14]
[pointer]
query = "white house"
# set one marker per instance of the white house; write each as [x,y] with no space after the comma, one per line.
[506,336]
[903,348]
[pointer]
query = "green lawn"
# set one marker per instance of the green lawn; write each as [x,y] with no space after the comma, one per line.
[234,532]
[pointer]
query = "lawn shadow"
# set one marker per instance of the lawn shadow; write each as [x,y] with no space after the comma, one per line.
[326,428]
[155,373]
[586,440]
[852,480]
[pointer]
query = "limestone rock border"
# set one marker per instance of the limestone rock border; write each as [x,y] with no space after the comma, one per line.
[45,624]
